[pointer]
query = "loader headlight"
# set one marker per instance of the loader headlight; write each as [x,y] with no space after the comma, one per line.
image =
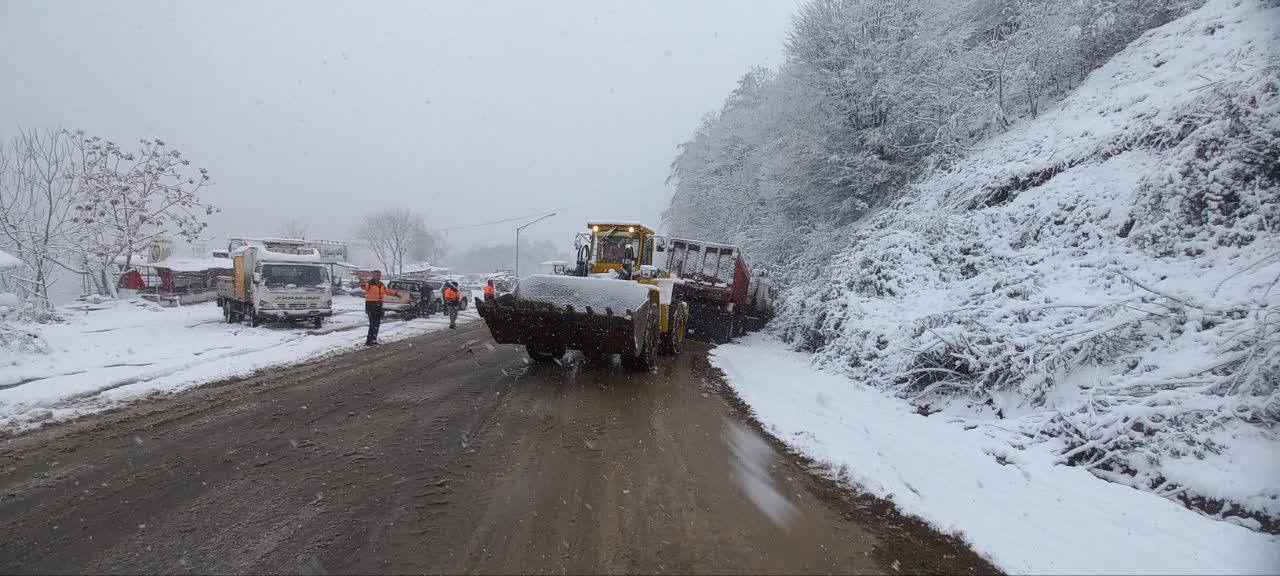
[631,229]
[595,228]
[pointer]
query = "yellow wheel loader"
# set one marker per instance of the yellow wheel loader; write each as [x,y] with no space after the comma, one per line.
[615,301]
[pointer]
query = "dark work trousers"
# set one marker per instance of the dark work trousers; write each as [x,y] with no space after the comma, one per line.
[453,306]
[374,310]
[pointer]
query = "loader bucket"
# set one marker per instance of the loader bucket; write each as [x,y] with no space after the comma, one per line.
[551,328]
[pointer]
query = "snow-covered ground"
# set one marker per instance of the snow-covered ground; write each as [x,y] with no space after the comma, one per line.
[1010,501]
[116,350]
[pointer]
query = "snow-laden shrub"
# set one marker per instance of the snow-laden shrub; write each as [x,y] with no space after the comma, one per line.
[1108,276]
[16,341]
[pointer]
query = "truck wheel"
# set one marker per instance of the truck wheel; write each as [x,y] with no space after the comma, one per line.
[672,343]
[722,330]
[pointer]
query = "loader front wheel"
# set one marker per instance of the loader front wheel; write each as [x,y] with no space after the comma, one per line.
[648,357]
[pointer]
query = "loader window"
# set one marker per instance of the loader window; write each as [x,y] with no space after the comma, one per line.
[612,248]
[274,275]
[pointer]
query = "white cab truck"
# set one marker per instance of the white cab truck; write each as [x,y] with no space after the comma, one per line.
[275,283]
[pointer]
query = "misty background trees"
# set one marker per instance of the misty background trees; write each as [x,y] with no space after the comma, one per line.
[872,94]
[395,236]
[294,228]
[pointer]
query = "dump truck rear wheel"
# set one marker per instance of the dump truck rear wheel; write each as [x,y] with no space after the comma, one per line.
[540,355]
[672,343]
[722,330]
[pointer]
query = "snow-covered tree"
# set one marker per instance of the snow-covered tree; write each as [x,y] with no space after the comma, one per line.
[39,195]
[130,199]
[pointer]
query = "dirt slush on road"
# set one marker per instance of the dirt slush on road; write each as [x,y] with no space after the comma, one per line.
[443,453]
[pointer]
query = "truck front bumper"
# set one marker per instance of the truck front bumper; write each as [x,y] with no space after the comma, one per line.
[293,314]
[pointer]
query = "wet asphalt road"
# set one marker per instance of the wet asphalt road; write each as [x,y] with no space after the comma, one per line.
[442,453]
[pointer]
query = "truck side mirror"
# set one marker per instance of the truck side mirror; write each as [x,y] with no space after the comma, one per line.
[257,277]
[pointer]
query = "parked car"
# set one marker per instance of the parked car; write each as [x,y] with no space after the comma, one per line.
[410,303]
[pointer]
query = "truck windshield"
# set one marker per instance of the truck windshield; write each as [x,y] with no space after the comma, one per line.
[294,274]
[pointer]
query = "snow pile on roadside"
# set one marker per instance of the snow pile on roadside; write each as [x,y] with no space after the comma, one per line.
[1105,276]
[117,350]
[1015,507]
[8,260]
[596,293]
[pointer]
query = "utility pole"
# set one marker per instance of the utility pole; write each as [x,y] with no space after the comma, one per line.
[540,218]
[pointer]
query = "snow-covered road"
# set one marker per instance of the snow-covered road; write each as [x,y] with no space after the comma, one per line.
[112,351]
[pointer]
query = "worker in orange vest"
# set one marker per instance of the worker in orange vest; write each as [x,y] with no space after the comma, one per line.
[452,300]
[488,290]
[374,293]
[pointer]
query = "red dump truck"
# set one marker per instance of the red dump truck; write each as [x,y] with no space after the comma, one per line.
[724,298]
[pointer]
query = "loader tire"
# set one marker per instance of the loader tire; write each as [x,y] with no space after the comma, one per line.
[648,358]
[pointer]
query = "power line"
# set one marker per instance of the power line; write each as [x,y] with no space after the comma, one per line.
[503,221]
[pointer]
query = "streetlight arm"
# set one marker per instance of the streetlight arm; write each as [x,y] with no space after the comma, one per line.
[540,218]
[518,229]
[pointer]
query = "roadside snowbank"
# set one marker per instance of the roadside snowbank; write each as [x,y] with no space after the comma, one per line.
[1009,501]
[116,350]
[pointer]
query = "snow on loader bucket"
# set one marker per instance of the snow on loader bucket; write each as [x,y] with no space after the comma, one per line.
[552,314]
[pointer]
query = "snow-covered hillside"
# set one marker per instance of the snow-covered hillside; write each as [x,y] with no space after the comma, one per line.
[109,351]
[1101,279]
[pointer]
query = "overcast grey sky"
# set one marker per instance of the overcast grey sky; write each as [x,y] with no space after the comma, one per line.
[466,111]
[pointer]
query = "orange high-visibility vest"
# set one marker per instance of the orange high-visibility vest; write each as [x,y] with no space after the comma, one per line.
[376,292]
[488,290]
[450,293]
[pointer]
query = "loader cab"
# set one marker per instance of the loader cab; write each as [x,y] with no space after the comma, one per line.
[619,246]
